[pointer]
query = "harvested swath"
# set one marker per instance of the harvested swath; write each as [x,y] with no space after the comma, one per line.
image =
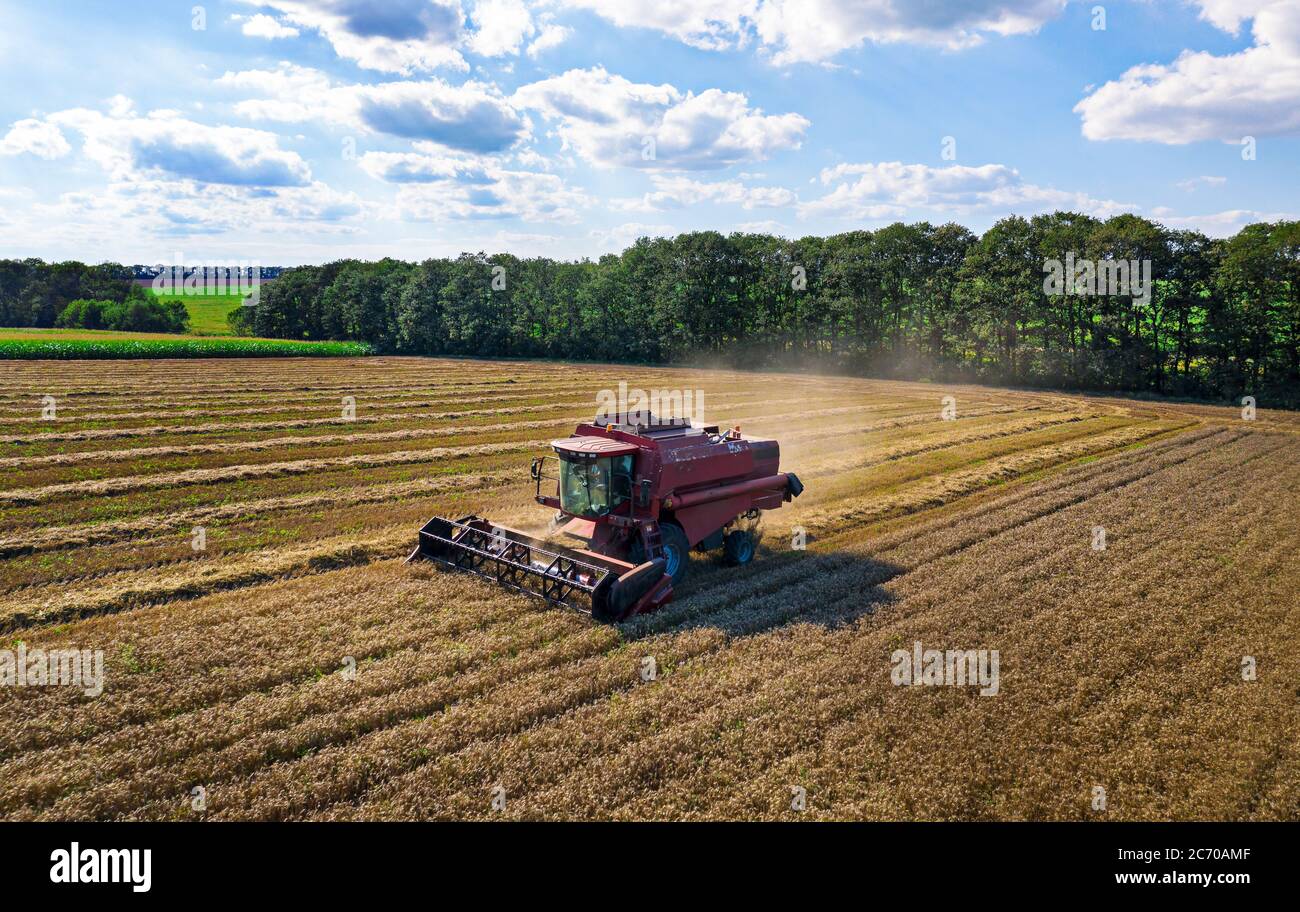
[334,419]
[230,731]
[228,465]
[94,488]
[100,590]
[107,594]
[945,488]
[272,443]
[352,437]
[56,537]
[60,537]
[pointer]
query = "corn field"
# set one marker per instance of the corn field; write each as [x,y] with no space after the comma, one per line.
[231,535]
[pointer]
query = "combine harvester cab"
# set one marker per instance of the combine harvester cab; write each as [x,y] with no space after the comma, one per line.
[641,494]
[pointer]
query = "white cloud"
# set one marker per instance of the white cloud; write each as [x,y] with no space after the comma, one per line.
[621,236]
[1201,96]
[814,31]
[473,117]
[435,187]
[170,177]
[408,36]
[530,158]
[804,31]
[503,25]
[676,192]
[525,195]
[121,106]
[421,167]
[392,36]
[610,121]
[155,214]
[264,26]
[1206,180]
[1218,224]
[709,24]
[291,94]
[550,36]
[35,137]
[765,226]
[884,190]
[164,144]
[1230,14]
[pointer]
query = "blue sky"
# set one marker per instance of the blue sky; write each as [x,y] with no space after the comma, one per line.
[293,131]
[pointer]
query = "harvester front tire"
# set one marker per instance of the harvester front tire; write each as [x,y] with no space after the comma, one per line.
[677,551]
[738,548]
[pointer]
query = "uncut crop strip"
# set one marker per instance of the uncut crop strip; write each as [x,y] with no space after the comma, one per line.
[248,654]
[95,488]
[199,739]
[62,537]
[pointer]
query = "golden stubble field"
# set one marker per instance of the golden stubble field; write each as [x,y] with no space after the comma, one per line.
[225,668]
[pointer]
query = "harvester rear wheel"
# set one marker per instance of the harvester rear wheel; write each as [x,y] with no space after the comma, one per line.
[738,547]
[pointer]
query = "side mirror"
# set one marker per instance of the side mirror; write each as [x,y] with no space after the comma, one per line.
[535,470]
[646,485]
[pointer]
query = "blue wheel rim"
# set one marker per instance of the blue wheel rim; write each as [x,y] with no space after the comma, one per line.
[671,560]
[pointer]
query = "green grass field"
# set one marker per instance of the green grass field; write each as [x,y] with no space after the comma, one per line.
[207,312]
[74,344]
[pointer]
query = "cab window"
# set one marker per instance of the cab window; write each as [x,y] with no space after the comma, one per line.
[593,487]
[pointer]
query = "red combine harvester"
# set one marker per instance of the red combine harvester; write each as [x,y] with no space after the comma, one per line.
[641,495]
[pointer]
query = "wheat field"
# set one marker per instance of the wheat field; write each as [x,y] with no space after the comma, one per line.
[294,667]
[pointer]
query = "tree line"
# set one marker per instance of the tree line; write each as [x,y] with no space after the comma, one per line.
[76,296]
[1221,317]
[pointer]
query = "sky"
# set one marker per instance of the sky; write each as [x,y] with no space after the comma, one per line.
[289,131]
